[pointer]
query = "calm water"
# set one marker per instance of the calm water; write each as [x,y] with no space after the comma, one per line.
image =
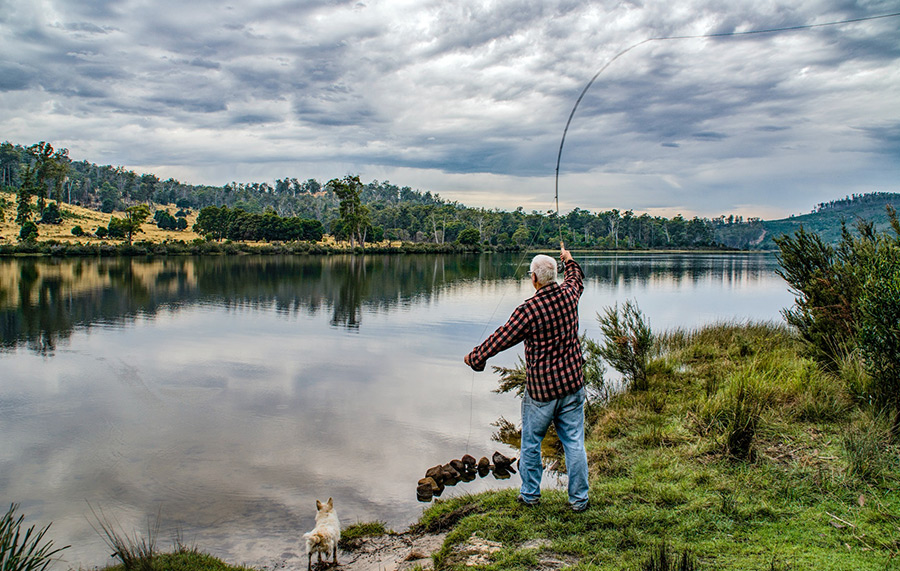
[227,394]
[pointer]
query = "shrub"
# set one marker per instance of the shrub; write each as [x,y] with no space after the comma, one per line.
[848,298]
[101,232]
[879,335]
[627,343]
[28,232]
[51,214]
[77,231]
[26,552]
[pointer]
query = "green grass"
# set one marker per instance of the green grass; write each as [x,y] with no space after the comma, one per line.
[662,474]
[185,560]
[352,536]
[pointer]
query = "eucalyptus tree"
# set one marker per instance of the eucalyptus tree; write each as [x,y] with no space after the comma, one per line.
[354,215]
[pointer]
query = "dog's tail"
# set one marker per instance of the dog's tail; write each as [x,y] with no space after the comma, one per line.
[316,539]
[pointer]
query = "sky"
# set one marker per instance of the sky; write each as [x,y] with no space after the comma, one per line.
[469,99]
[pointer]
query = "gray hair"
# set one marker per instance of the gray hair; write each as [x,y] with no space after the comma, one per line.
[544,268]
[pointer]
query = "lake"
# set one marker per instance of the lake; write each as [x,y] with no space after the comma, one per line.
[226,394]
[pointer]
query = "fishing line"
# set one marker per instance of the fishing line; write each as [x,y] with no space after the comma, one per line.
[687,37]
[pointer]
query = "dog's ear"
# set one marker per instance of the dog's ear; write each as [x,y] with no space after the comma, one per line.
[330,503]
[318,505]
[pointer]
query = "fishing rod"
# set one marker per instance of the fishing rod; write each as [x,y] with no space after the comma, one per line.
[584,91]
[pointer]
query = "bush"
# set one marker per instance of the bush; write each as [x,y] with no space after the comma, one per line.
[77,231]
[29,232]
[101,232]
[879,335]
[848,299]
[51,214]
[627,343]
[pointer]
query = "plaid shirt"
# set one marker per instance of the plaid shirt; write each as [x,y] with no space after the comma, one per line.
[548,323]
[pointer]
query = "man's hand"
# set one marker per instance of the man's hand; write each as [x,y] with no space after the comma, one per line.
[564,254]
[468,360]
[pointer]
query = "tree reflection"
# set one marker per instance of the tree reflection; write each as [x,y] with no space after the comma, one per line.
[42,301]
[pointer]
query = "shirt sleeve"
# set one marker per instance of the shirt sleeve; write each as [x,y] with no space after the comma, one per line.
[574,278]
[511,333]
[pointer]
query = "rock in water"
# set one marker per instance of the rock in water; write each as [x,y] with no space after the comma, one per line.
[469,462]
[501,461]
[458,465]
[424,492]
[435,487]
[450,475]
[436,473]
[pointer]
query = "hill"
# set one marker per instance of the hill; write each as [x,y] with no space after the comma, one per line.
[825,220]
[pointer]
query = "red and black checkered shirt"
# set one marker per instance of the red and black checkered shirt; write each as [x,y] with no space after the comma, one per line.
[548,323]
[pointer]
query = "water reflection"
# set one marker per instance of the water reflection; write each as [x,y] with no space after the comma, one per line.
[42,301]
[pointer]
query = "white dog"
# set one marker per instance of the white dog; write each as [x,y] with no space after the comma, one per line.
[325,536]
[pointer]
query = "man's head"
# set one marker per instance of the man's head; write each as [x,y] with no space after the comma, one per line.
[543,270]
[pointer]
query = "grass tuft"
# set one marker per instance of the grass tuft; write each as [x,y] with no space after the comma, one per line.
[24,552]
[352,536]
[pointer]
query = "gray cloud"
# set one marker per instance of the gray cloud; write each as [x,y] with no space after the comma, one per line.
[469,100]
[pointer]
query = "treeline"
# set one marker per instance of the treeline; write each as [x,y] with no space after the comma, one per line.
[856,200]
[237,224]
[381,210]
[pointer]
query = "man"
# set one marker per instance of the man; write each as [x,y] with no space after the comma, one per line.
[548,324]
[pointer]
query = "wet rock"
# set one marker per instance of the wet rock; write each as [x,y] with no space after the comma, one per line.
[502,461]
[435,473]
[458,465]
[469,462]
[449,473]
[467,476]
[435,487]
[424,492]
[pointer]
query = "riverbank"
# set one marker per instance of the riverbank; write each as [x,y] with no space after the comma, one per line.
[741,454]
[815,487]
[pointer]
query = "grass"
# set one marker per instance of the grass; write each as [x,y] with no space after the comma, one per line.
[24,549]
[664,475]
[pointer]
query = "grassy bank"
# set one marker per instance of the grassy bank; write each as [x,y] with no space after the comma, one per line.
[815,487]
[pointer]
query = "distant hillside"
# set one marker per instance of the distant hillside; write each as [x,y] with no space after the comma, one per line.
[825,221]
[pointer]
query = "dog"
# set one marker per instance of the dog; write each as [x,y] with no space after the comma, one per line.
[325,536]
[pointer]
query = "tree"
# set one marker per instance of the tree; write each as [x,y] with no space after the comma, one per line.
[51,214]
[28,232]
[468,237]
[50,168]
[131,224]
[213,222]
[354,215]
[23,197]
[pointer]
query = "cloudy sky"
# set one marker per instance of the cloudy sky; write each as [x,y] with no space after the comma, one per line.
[469,98]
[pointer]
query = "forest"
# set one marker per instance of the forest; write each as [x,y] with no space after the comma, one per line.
[383,210]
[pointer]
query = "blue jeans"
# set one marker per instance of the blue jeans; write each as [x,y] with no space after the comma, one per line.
[567,414]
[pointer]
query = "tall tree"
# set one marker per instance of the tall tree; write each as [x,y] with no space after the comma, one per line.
[50,170]
[134,217]
[354,215]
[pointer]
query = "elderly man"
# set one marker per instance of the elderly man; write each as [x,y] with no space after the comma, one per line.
[548,324]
